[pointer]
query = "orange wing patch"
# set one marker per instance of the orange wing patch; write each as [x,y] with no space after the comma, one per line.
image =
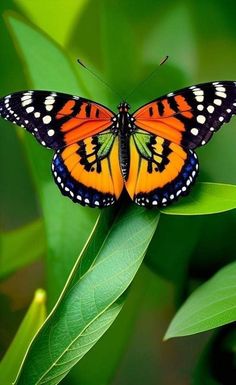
[81,119]
[87,173]
[160,171]
[165,117]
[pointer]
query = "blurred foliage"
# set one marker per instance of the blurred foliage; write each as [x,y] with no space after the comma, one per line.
[33,320]
[123,42]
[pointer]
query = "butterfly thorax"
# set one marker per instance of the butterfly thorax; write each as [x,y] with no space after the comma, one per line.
[125,128]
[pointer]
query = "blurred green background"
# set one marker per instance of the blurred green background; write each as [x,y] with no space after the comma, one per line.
[123,42]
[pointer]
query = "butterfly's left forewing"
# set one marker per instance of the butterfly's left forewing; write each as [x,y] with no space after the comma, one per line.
[160,171]
[55,119]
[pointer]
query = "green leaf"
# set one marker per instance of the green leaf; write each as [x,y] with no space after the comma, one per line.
[67,225]
[205,198]
[88,307]
[18,247]
[118,335]
[34,318]
[212,305]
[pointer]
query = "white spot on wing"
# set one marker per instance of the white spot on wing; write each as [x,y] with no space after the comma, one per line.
[198,92]
[201,119]
[210,109]
[221,94]
[29,109]
[47,119]
[199,98]
[49,107]
[51,132]
[220,89]
[200,107]
[194,131]
[218,102]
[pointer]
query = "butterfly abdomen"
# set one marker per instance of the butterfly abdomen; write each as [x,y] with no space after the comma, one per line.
[125,127]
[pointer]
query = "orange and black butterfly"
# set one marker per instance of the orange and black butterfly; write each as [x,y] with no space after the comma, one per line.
[149,152]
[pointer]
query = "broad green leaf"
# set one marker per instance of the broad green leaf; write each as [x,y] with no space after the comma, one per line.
[34,318]
[212,305]
[118,335]
[67,225]
[205,198]
[18,247]
[87,308]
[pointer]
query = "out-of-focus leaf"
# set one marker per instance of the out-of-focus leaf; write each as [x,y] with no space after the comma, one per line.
[183,52]
[216,237]
[210,306]
[119,72]
[171,258]
[88,308]
[216,365]
[205,198]
[32,321]
[21,247]
[54,17]
[67,225]
[15,178]
[46,64]
[16,189]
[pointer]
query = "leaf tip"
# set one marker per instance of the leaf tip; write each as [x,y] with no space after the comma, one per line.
[40,296]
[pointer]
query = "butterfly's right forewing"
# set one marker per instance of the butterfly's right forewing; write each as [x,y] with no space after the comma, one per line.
[190,116]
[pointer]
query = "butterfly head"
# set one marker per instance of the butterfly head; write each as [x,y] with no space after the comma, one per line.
[123,107]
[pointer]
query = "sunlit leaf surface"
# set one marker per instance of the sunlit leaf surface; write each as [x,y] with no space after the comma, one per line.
[210,306]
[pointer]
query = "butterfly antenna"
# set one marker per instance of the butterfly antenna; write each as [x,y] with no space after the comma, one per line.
[149,76]
[99,78]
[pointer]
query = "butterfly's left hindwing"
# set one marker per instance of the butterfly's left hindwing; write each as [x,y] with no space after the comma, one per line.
[88,171]
[55,119]
[160,171]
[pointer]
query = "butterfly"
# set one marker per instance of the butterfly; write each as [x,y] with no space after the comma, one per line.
[150,153]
